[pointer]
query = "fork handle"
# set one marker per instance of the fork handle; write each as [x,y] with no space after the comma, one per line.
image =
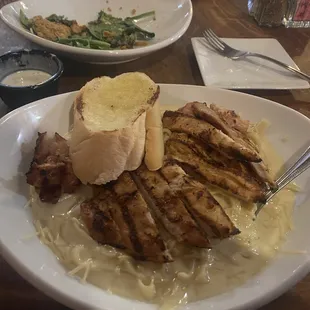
[304,157]
[299,167]
[281,64]
[302,164]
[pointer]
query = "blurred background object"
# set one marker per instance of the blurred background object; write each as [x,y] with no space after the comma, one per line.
[272,13]
[268,13]
[297,14]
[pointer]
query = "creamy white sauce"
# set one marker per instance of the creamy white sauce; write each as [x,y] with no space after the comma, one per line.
[196,273]
[26,78]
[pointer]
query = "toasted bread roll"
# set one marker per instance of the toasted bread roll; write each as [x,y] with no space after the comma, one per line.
[108,135]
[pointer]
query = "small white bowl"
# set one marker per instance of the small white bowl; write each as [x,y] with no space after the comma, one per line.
[173,17]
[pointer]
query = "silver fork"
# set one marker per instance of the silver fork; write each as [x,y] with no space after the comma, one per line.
[221,47]
[301,165]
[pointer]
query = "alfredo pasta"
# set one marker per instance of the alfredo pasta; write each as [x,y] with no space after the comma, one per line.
[195,273]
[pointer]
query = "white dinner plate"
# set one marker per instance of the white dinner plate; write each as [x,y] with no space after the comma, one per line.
[172,20]
[36,263]
[250,73]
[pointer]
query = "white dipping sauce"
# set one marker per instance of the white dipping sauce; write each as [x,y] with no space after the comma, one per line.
[26,78]
[196,273]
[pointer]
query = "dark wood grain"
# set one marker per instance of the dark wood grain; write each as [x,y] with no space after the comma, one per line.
[177,64]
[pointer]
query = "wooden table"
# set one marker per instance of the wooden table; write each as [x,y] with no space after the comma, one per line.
[177,64]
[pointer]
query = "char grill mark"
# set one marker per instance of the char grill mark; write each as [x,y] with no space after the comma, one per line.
[208,134]
[199,202]
[170,209]
[144,232]
[231,118]
[120,207]
[126,201]
[254,171]
[188,109]
[238,132]
[51,170]
[99,221]
[202,111]
[242,186]
[209,155]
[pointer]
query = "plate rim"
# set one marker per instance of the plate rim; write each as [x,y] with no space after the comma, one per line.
[194,42]
[103,53]
[70,300]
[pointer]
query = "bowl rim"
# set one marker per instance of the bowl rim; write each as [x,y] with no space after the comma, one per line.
[71,301]
[92,52]
[52,79]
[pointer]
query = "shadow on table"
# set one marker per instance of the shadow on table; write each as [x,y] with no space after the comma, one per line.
[286,301]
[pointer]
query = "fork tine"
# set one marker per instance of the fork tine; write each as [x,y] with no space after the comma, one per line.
[215,43]
[212,36]
[212,42]
[212,33]
[211,47]
[209,34]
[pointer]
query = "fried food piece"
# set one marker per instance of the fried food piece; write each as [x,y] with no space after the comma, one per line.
[76,28]
[50,30]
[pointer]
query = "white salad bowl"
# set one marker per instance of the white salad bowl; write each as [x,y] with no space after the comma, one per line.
[173,17]
[36,262]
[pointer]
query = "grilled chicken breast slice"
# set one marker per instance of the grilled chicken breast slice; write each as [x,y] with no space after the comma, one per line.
[262,172]
[119,216]
[201,110]
[144,233]
[110,210]
[188,109]
[201,130]
[51,170]
[200,203]
[247,189]
[209,154]
[170,209]
[97,217]
[231,118]
[257,171]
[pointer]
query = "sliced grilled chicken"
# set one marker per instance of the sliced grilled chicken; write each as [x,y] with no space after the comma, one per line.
[247,189]
[262,172]
[170,209]
[144,233]
[105,205]
[231,118]
[119,216]
[201,130]
[209,154]
[202,111]
[51,170]
[201,205]
[248,170]
[188,109]
[97,216]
